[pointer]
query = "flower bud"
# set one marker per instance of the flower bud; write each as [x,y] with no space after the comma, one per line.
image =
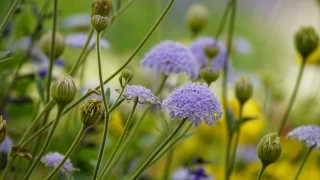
[197,18]
[99,23]
[46,41]
[126,74]
[269,148]
[209,74]
[3,129]
[91,112]
[306,41]
[244,89]
[64,90]
[101,8]
[211,51]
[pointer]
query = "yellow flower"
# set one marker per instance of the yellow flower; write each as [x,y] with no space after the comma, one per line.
[313,58]
[116,124]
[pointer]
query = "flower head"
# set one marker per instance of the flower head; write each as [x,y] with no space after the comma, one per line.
[171,57]
[198,46]
[145,96]
[309,134]
[52,160]
[195,102]
[269,148]
[78,40]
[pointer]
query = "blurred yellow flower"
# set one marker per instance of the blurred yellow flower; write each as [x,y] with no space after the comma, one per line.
[313,58]
[116,125]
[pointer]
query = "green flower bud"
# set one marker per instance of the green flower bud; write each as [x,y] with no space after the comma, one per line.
[91,112]
[197,18]
[269,148]
[306,41]
[244,89]
[126,74]
[211,51]
[99,23]
[209,74]
[64,90]
[101,8]
[45,43]
[3,129]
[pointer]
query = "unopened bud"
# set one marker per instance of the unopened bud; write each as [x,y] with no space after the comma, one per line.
[269,148]
[126,74]
[209,74]
[99,23]
[91,112]
[244,89]
[46,42]
[64,90]
[3,129]
[101,8]
[211,51]
[197,18]
[306,41]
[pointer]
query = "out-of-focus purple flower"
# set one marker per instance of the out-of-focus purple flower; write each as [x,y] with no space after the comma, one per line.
[171,57]
[197,48]
[247,154]
[309,134]
[242,45]
[77,21]
[145,96]
[60,63]
[194,101]
[52,160]
[6,145]
[191,174]
[78,40]
[42,72]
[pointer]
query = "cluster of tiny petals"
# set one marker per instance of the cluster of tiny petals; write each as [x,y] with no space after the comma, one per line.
[309,134]
[145,96]
[197,48]
[171,57]
[194,101]
[52,160]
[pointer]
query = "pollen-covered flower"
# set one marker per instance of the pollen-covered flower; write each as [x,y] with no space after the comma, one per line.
[195,102]
[145,96]
[52,160]
[171,57]
[198,46]
[309,134]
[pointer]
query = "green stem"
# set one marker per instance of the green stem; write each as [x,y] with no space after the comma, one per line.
[8,16]
[168,165]
[125,131]
[8,166]
[304,160]
[132,133]
[233,5]
[106,106]
[158,150]
[293,97]
[70,151]
[46,143]
[53,44]
[261,172]
[223,21]
[235,147]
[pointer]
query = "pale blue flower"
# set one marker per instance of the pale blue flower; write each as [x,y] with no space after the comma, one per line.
[309,134]
[145,96]
[52,160]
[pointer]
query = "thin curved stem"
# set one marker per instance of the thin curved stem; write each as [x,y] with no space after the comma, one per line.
[293,97]
[53,44]
[235,147]
[125,132]
[304,160]
[106,106]
[132,133]
[158,150]
[46,143]
[8,16]
[261,172]
[70,151]
[223,21]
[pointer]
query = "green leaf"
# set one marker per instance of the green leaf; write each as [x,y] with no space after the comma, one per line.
[5,56]
[231,122]
[108,93]
[246,119]
[40,87]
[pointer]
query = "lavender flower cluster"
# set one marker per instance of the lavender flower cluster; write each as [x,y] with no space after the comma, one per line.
[309,134]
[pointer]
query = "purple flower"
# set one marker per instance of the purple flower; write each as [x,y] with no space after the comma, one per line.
[171,57]
[52,160]
[6,145]
[197,48]
[145,96]
[60,63]
[191,174]
[309,134]
[78,40]
[195,102]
